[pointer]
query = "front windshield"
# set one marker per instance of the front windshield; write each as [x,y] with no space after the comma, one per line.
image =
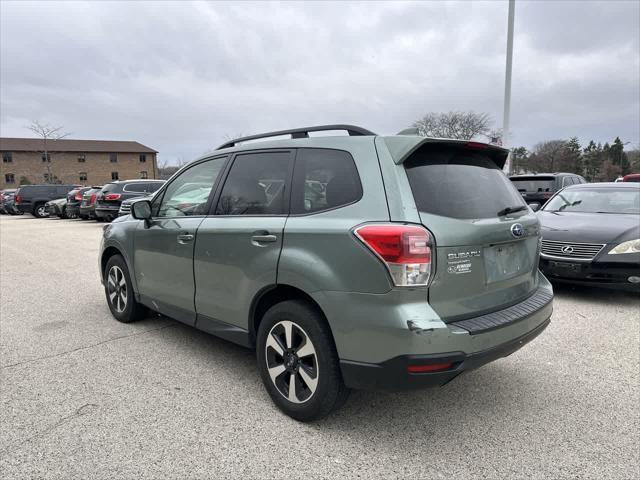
[600,200]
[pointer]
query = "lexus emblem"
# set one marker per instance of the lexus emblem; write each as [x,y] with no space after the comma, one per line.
[567,249]
[517,230]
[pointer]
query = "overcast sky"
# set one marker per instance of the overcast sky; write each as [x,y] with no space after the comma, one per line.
[178,77]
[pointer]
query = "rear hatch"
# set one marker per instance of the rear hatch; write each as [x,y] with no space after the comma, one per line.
[109,196]
[486,253]
[535,188]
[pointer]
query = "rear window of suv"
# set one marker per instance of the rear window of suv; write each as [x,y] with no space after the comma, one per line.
[110,187]
[534,184]
[459,183]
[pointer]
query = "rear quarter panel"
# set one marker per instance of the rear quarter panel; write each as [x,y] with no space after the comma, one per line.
[319,251]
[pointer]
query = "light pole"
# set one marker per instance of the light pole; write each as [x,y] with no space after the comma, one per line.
[507,83]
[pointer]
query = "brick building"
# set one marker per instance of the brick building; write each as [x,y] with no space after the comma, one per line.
[85,162]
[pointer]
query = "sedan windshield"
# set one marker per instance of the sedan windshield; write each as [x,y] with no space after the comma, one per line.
[596,200]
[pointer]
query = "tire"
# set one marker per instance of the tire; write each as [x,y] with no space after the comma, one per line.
[318,386]
[39,211]
[119,292]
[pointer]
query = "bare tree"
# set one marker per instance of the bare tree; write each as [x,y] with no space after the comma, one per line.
[48,134]
[549,156]
[166,169]
[460,125]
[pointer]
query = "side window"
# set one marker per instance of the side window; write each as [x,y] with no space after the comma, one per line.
[324,179]
[256,185]
[135,187]
[188,193]
[152,187]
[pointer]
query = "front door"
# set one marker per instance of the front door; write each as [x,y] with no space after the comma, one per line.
[163,259]
[238,246]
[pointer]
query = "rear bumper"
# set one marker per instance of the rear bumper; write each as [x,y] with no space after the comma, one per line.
[393,375]
[606,274]
[378,336]
[107,212]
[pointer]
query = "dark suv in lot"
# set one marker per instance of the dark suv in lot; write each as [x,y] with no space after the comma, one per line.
[32,198]
[540,187]
[112,195]
[359,261]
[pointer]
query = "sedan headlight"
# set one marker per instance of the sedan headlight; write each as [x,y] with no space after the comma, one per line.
[631,246]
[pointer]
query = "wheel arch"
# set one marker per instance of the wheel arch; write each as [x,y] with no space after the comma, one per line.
[272,295]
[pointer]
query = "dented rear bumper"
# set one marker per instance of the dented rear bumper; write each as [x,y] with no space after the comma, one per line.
[379,336]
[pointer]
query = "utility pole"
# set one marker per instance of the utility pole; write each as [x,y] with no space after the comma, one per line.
[507,84]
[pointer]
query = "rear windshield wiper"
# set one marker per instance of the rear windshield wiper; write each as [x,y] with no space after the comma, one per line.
[508,210]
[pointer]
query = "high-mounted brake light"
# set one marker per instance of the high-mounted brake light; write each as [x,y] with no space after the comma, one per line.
[111,196]
[404,249]
[478,145]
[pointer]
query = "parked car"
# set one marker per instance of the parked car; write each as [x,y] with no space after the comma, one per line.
[57,208]
[8,204]
[416,260]
[6,193]
[74,200]
[112,194]
[32,198]
[87,209]
[538,188]
[591,235]
[632,177]
[125,206]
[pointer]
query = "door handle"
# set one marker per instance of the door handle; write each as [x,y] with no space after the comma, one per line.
[185,238]
[258,239]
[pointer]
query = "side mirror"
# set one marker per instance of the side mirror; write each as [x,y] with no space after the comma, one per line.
[534,206]
[141,210]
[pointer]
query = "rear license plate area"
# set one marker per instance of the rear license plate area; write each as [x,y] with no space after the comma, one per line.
[506,261]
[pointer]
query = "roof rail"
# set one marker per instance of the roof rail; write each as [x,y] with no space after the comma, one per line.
[300,133]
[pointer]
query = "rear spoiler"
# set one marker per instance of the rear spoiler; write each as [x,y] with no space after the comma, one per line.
[402,147]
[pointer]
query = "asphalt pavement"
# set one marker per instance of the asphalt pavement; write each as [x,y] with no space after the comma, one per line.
[83,396]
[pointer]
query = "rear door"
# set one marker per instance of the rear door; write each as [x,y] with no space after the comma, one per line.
[164,245]
[238,245]
[486,258]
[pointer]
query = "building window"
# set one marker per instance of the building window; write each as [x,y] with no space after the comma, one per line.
[143,158]
[144,174]
[82,158]
[83,176]
[114,175]
[113,157]
[9,178]
[46,157]
[7,157]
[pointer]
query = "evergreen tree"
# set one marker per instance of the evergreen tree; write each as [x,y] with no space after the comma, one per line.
[520,159]
[618,156]
[592,159]
[574,152]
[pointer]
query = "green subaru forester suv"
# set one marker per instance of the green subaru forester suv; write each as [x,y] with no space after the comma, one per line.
[347,261]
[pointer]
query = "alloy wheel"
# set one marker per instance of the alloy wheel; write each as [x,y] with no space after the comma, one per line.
[117,288]
[292,362]
[42,211]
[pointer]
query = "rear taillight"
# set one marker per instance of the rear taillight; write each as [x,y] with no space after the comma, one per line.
[111,196]
[404,249]
[78,196]
[18,199]
[92,200]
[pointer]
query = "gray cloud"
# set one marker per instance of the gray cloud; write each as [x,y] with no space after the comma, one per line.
[178,76]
